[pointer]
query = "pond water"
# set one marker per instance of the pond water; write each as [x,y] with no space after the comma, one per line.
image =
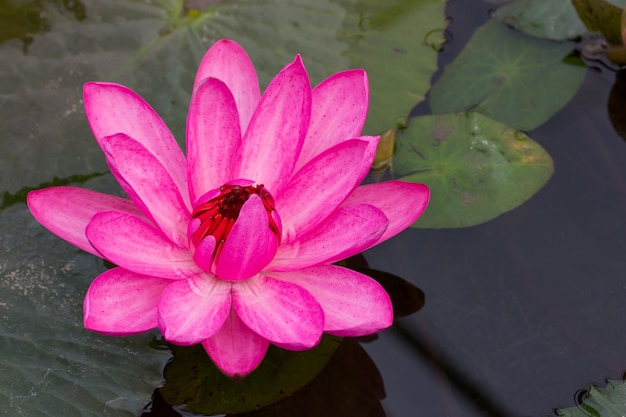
[525,310]
[521,313]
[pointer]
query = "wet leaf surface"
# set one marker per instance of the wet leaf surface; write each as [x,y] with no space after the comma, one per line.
[397,43]
[550,19]
[154,47]
[477,168]
[52,366]
[515,79]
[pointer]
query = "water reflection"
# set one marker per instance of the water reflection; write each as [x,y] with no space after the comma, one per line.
[337,378]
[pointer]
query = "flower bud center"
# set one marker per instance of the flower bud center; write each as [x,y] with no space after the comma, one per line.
[218,215]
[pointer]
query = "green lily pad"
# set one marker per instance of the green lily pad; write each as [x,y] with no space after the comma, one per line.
[397,43]
[600,402]
[194,383]
[550,19]
[154,47]
[51,366]
[477,168]
[523,80]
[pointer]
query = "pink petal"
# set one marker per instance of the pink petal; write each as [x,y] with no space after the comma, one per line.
[273,141]
[66,211]
[193,309]
[353,303]
[213,137]
[236,349]
[284,313]
[402,202]
[346,232]
[149,185]
[120,302]
[113,108]
[251,244]
[319,187]
[338,112]
[227,61]
[203,254]
[368,157]
[133,244]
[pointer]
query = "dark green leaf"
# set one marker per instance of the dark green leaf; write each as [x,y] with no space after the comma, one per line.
[476,167]
[194,383]
[516,79]
[154,47]
[397,43]
[51,366]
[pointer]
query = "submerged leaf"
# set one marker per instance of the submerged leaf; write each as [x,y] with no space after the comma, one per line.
[523,81]
[476,167]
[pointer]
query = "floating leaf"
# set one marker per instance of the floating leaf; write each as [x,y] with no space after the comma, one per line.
[600,402]
[154,47]
[51,366]
[523,81]
[397,43]
[551,19]
[476,167]
[350,384]
[194,383]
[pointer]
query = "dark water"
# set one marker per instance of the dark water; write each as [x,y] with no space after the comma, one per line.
[525,310]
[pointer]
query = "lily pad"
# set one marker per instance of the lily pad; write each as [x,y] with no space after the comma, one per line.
[397,43]
[155,46]
[550,19]
[194,383]
[600,402]
[477,168]
[524,80]
[52,366]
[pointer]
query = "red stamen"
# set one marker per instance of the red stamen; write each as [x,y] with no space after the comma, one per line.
[218,215]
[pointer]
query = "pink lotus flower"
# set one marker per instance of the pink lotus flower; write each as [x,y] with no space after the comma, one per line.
[233,246]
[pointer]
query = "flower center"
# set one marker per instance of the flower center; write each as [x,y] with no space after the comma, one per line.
[217,216]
